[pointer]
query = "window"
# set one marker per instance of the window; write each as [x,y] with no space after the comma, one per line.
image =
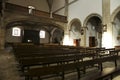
[42,34]
[16,31]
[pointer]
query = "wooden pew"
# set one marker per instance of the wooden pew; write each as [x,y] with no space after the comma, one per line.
[61,69]
[47,53]
[49,57]
[115,52]
[52,60]
[31,55]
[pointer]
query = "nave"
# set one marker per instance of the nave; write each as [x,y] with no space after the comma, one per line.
[29,27]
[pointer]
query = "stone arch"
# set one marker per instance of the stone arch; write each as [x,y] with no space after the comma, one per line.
[89,16]
[74,20]
[75,29]
[115,21]
[96,21]
[113,15]
[32,22]
[35,24]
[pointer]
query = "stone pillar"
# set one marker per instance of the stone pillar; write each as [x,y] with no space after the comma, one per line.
[84,36]
[66,8]
[107,36]
[66,14]
[2,38]
[2,27]
[2,33]
[66,27]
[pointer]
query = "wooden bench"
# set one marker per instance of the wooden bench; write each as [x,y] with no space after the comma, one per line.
[47,54]
[52,60]
[37,59]
[61,69]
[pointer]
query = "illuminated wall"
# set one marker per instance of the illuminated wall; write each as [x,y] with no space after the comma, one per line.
[113,5]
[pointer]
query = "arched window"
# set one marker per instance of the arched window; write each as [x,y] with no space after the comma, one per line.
[16,31]
[42,34]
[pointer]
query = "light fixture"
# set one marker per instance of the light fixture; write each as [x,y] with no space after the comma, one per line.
[93,27]
[104,28]
[82,31]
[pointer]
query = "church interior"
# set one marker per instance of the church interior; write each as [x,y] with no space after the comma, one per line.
[59,39]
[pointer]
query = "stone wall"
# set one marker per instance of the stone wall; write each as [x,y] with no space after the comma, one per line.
[8,69]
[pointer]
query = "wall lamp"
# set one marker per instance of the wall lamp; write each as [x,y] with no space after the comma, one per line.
[82,30]
[104,28]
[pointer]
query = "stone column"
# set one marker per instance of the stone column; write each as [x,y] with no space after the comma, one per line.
[66,27]
[2,38]
[2,27]
[66,14]
[84,36]
[66,8]
[107,36]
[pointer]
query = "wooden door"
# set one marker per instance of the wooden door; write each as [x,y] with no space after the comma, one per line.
[91,41]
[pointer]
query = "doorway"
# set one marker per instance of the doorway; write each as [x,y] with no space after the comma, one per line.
[31,36]
[91,41]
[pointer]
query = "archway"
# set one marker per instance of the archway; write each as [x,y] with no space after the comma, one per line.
[57,36]
[94,30]
[33,27]
[115,20]
[75,31]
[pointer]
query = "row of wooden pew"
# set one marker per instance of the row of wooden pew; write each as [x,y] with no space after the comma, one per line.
[60,59]
[63,68]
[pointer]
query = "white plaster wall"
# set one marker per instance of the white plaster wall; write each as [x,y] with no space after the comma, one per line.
[116,28]
[113,5]
[75,30]
[82,8]
[90,32]
[38,4]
